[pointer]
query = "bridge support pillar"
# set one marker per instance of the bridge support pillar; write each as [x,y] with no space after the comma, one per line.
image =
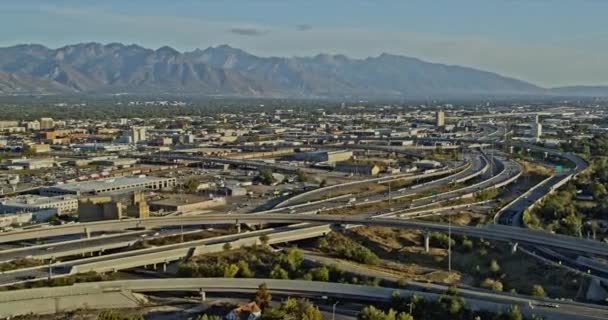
[514,247]
[87,232]
[154,266]
[203,295]
[165,267]
[238,228]
[427,242]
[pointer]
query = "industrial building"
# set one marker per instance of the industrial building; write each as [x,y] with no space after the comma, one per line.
[116,162]
[186,203]
[107,147]
[427,164]
[39,148]
[33,203]
[323,156]
[97,208]
[110,185]
[29,164]
[355,168]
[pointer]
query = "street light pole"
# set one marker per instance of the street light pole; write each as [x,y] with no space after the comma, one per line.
[181,231]
[51,268]
[333,311]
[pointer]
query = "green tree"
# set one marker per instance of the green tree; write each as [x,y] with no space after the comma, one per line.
[231,270]
[262,296]
[265,177]
[404,316]
[494,267]
[467,244]
[244,270]
[264,239]
[372,313]
[301,175]
[492,284]
[598,190]
[191,185]
[311,312]
[320,273]
[456,306]
[538,291]
[294,258]
[208,317]
[227,246]
[513,313]
[279,273]
[115,315]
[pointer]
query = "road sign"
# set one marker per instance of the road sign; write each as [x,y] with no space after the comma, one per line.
[559,169]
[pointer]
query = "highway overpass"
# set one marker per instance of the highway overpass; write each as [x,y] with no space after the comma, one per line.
[495,232]
[128,294]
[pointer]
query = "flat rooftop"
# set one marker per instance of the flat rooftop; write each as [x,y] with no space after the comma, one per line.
[117,182]
[179,199]
[32,200]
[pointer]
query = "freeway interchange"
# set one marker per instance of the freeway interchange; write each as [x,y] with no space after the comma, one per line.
[307,222]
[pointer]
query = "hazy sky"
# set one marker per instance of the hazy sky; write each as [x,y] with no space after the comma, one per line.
[548,42]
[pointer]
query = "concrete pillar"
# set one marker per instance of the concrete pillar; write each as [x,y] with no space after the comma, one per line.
[87,232]
[427,242]
[514,247]
[165,267]
[154,266]
[238,228]
[203,295]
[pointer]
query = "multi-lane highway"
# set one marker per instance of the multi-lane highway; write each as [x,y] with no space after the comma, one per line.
[116,294]
[496,232]
[162,255]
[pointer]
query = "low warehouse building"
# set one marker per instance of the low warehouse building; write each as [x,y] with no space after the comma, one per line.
[33,203]
[186,203]
[110,185]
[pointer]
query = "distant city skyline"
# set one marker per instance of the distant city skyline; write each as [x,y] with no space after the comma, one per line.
[549,43]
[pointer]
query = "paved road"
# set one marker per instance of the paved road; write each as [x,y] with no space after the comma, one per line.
[11,303]
[90,245]
[496,232]
[365,198]
[469,293]
[162,254]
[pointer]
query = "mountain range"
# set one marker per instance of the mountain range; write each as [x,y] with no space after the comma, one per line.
[93,68]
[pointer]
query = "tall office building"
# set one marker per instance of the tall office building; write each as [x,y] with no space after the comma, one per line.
[138,134]
[440,119]
[536,128]
[47,123]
